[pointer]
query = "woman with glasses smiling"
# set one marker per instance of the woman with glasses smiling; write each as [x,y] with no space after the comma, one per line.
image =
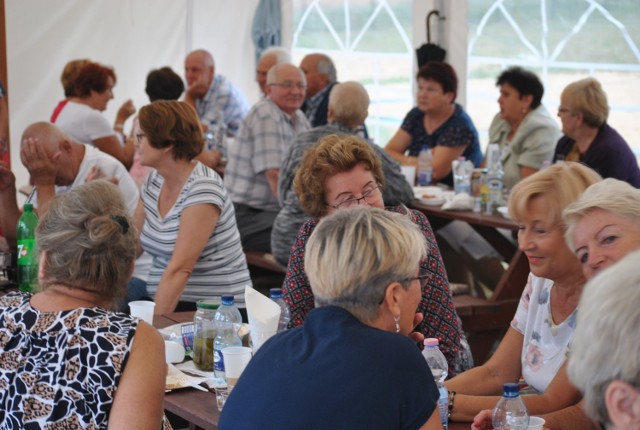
[351,365]
[343,172]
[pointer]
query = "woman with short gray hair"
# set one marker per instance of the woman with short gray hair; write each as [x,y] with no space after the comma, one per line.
[351,364]
[604,361]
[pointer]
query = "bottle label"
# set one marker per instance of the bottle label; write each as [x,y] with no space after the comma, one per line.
[218,361]
[27,252]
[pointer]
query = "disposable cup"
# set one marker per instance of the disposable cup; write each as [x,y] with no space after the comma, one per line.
[142,309]
[236,359]
[173,352]
[535,423]
[409,173]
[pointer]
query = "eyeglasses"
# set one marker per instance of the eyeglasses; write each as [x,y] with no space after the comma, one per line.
[371,196]
[289,85]
[140,136]
[423,278]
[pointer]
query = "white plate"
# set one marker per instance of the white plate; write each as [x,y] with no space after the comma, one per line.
[419,192]
[434,201]
[504,211]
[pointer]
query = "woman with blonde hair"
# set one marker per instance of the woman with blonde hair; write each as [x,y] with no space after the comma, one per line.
[536,344]
[67,359]
[588,138]
[351,365]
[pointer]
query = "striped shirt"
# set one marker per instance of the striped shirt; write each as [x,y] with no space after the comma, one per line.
[221,267]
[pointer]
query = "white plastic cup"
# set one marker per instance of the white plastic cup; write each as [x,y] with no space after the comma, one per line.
[536,423]
[173,352]
[236,359]
[142,309]
[409,173]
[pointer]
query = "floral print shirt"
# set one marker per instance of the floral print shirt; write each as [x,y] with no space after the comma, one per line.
[546,344]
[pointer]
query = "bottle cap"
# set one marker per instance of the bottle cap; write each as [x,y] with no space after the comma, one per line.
[228,300]
[211,304]
[431,341]
[275,293]
[511,389]
[28,207]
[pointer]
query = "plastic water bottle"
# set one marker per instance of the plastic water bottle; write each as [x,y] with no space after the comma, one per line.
[27,250]
[285,314]
[495,178]
[439,369]
[228,322]
[462,170]
[425,170]
[510,413]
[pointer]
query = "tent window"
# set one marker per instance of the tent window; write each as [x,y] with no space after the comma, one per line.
[370,42]
[562,42]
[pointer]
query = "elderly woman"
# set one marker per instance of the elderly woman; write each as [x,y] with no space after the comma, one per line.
[604,361]
[80,117]
[536,343]
[185,216]
[354,343]
[587,136]
[523,128]
[341,172]
[437,123]
[67,360]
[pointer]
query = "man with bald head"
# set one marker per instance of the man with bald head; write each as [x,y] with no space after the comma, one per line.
[251,176]
[347,111]
[321,76]
[211,94]
[56,163]
[269,58]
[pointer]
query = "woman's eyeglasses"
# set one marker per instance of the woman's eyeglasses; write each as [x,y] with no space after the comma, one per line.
[371,196]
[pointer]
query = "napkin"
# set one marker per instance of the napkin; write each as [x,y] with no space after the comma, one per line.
[264,315]
[459,202]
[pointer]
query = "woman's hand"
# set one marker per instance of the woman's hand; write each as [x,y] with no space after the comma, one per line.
[483,421]
[415,335]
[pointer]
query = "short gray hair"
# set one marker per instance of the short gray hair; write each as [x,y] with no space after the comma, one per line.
[325,66]
[349,103]
[354,254]
[611,195]
[282,55]
[606,344]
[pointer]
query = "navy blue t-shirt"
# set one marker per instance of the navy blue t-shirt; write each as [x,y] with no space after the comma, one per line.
[333,372]
[458,130]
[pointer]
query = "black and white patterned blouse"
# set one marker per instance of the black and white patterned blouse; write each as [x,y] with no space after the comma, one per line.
[60,370]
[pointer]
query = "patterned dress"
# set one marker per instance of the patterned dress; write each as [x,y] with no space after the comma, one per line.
[60,370]
[440,318]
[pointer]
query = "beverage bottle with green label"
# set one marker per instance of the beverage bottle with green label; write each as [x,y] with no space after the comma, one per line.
[27,250]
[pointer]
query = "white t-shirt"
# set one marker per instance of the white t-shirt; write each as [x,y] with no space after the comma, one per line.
[111,168]
[83,124]
[546,345]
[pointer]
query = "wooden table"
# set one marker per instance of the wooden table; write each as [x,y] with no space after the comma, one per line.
[486,319]
[197,407]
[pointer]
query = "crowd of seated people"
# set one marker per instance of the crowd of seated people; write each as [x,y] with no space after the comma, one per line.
[194,218]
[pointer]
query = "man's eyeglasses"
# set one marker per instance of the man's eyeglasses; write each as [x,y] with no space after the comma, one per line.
[289,85]
[370,195]
[140,136]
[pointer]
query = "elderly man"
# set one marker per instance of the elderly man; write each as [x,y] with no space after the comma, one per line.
[212,95]
[251,176]
[269,58]
[56,164]
[321,76]
[348,108]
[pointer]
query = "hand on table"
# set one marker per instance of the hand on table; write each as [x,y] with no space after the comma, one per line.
[40,164]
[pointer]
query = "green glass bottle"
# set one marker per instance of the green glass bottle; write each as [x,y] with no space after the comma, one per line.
[27,250]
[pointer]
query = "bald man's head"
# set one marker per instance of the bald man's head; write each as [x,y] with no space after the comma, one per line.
[66,153]
[199,63]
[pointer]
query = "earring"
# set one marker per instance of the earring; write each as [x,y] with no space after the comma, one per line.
[396,319]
